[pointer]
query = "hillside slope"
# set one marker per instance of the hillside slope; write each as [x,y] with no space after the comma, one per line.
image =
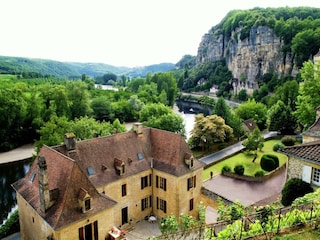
[15,65]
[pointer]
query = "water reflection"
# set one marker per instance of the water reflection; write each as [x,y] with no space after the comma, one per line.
[9,173]
[188,110]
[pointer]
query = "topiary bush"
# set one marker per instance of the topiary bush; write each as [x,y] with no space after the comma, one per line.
[288,140]
[259,174]
[269,162]
[226,169]
[277,146]
[239,169]
[293,189]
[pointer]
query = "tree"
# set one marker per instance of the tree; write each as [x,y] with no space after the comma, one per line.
[287,93]
[309,98]
[159,116]
[223,110]
[78,96]
[254,142]
[102,110]
[280,118]
[209,130]
[253,110]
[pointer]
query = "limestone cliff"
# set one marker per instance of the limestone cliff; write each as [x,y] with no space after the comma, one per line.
[249,58]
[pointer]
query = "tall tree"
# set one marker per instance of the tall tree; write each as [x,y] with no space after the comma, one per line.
[209,130]
[78,96]
[280,118]
[309,98]
[253,110]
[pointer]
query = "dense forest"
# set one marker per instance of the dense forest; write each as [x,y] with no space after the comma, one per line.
[72,70]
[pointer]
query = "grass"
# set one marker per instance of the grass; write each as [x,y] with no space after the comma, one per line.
[246,160]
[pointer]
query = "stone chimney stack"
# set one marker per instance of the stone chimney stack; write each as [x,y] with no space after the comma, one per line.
[47,197]
[137,127]
[70,141]
[44,192]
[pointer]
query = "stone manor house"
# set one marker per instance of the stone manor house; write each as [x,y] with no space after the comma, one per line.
[84,189]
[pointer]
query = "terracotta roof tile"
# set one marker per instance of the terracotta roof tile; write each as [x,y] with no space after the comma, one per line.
[306,151]
[314,130]
[63,174]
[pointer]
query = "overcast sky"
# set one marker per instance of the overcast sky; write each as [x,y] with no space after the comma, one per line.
[117,32]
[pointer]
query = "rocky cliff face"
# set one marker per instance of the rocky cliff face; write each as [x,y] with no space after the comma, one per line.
[250,58]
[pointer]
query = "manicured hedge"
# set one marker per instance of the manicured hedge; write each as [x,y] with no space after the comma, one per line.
[269,162]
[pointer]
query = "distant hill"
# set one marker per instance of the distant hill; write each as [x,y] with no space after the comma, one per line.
[15,65]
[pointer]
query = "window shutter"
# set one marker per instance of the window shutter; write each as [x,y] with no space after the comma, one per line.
[142,183]
[157,181]
[306,174]
[157,203]
[165,184]
[194,181]
[165,206]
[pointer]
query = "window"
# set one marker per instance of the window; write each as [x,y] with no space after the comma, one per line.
[90,171]
[144,182]
[161,182]
[124,190]
[162,205]
[191,204]
[87,204]
[191,183]
[140,156]
[316,176]
[144,203]
[32,177]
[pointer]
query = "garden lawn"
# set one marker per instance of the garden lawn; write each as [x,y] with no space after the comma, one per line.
[245,159]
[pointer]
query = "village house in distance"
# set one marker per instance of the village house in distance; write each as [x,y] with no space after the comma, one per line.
[86,189]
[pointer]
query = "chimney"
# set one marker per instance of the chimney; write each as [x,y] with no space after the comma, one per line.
[45,194]
[70,141]
[137,127]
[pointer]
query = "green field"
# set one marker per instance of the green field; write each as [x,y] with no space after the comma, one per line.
[246,160]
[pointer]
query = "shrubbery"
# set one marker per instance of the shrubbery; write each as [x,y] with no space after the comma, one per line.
[277,146]
[269,162]
[239,169]
[288,140]
[293,189]
[10,226]
[259,174]
[226,169]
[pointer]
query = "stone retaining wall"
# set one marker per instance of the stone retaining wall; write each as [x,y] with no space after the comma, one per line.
[255,179]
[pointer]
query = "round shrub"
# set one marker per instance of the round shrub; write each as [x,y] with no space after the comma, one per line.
[226,169]
[277,146]
[293,189]
[239,169]
[269,162]
[288,140]
[259,174]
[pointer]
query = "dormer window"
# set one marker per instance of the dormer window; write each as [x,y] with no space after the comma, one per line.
[119,166]
[84,200]
[188,159]
[87,204]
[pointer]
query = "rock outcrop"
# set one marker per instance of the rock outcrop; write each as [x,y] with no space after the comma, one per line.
[250,58]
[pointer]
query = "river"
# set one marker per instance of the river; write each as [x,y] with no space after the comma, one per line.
[9,173]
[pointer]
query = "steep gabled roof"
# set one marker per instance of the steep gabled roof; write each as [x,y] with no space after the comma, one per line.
[163,150]
[314,130]
[307,151]
[65,175]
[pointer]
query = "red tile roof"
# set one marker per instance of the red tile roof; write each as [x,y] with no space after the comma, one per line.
[65,175]
[306,151]
[68,170]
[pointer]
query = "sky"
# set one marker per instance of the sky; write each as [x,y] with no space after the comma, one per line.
[118,32]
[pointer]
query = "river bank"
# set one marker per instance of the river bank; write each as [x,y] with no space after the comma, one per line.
[17,154]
